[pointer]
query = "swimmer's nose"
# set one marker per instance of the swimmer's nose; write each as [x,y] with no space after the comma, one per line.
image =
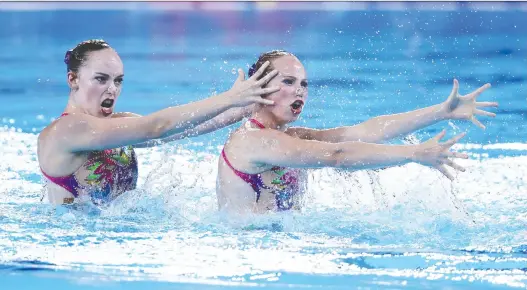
[300,91]
[112,89]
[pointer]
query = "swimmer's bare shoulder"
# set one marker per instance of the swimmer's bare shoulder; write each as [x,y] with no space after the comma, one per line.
[54,160]
[244,134]
[246,139]
[46,137]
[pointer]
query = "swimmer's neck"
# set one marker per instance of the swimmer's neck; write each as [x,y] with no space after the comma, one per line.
[269,120]
[73,108]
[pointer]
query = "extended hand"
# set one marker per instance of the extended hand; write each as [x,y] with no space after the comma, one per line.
[465,107]
[437,155]
[246,92]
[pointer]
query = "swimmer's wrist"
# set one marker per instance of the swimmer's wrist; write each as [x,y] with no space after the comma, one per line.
[420,153]
[236,99]
[226,99]
[412,153]
[441,112]
[402,154]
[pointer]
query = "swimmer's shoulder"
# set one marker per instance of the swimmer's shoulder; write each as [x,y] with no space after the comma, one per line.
[247,133]
[48,131]
[62,128]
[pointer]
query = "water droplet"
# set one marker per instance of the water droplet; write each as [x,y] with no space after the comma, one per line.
[11,121]
[233,71]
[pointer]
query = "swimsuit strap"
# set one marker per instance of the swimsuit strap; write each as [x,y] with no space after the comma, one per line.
[254,180]
[257,123]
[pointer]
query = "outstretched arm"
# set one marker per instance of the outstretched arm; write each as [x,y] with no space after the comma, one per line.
[382,128]
[375,130]
[84,132]
[274,148]
[225,119]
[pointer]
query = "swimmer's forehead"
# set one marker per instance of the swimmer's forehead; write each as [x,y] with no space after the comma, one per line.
[105,61]
[289,66]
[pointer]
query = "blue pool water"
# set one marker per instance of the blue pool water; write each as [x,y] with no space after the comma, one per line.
[404,227]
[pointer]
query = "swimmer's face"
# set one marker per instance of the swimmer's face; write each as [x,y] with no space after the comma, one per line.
[292,80]
[98,83]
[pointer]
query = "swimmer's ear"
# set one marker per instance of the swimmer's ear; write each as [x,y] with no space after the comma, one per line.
[73,80]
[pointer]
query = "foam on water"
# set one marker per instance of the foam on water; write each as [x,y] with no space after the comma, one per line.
[405,222]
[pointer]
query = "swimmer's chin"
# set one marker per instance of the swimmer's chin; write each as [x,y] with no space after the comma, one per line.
[106,112]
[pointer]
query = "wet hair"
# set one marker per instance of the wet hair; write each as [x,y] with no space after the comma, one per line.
[76,57]
[267,56]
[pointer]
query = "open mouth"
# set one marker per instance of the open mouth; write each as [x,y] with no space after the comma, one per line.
[296,107]
[107,106]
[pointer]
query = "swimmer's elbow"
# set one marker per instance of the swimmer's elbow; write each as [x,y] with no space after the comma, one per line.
[354,155]
[338,158]
[327,155]
[347,155]
[158,129]
[330,157]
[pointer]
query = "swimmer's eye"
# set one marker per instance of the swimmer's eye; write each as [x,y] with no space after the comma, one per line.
[288,81]
[119,81]
[100,79]
[304,84]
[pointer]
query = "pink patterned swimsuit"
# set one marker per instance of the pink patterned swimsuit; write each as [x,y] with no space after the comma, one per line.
[284,187]
[111,172]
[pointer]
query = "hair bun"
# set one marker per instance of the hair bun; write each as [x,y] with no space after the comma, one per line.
[67,57]
[252,70]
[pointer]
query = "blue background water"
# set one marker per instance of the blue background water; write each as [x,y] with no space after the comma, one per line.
[405,227]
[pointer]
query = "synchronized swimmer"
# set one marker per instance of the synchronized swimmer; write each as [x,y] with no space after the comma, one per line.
[88,153]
